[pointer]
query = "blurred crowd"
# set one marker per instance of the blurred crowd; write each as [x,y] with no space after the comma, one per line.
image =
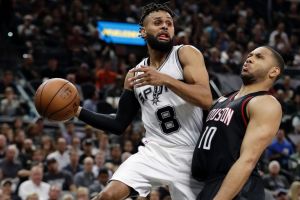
[59,38]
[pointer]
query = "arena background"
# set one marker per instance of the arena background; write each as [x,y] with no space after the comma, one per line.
[43,39]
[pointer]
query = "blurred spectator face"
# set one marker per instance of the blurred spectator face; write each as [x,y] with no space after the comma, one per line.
[76,142]
[27,20]
[38,155]
[11,153]
[280,135]
[53,167]
[36,175]
[8,77]
[32,197]
[2,142]
[128,146]
[18,123]
[88,164]
[20,136]
[82,195]
[54,192]
[61,145]
[100,158]
[274,168]
[28,144]
[6,188]
[103,177]
[116,152]
[53,63]
[71,77]
[74,157]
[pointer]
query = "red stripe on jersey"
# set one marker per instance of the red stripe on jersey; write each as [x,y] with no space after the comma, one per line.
[243,109]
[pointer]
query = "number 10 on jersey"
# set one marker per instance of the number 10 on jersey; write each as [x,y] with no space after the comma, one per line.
[206,137]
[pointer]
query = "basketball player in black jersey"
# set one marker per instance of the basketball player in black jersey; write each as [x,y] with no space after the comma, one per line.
[237,130]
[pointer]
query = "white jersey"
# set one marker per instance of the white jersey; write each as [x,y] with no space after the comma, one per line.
[168,119]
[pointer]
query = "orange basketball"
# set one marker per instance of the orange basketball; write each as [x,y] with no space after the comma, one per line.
[57,99]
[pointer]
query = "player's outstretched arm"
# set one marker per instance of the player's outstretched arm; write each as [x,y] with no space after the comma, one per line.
[265,116]
[195,89]
[127,109]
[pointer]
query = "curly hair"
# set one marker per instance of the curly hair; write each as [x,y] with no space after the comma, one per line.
[152,7]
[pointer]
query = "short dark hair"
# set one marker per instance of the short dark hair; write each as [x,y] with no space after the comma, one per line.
[279,60]
[153,7]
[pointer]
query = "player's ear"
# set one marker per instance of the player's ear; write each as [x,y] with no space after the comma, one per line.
[143,32]
[275,71]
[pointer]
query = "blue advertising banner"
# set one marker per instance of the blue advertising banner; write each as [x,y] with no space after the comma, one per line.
[120,33]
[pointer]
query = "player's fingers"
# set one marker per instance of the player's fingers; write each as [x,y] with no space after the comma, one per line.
[140,69]
[138,77]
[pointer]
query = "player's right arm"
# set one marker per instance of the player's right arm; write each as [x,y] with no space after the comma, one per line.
[127,109]
[264,119]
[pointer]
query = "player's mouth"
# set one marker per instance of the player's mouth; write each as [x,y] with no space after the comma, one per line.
[245,67]
[163,36]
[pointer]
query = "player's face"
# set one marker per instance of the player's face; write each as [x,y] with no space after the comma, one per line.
[158,30]
[258,66]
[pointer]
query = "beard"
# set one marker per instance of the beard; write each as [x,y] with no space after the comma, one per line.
[155,44]
[248,79]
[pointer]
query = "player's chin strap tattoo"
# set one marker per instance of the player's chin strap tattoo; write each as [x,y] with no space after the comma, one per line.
[128,108]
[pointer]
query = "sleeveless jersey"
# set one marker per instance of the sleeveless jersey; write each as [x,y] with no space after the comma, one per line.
[168,119]
[219,144]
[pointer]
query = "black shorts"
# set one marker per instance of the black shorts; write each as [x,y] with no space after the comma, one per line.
[252,190]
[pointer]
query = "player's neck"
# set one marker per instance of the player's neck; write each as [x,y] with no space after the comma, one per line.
[156,58]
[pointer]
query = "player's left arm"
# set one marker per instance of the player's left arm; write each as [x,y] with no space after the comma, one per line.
[264,119]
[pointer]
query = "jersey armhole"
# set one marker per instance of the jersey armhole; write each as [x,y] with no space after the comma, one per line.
[179,64]
[244,110]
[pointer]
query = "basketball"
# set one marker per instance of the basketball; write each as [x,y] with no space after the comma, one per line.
[57,99]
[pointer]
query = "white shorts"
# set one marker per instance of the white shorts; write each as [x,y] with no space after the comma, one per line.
[154,165]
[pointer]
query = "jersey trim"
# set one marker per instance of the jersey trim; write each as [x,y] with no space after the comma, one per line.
[179,65]
[243,110]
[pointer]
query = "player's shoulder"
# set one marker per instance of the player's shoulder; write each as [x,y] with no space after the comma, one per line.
[188,52]
[263,103]
[185,49]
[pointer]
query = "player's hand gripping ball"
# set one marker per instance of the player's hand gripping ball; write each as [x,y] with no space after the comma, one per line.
[57,99]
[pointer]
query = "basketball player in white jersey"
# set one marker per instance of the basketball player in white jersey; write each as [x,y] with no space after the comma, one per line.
[171,88]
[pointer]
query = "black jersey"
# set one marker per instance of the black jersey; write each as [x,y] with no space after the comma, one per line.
[219,144]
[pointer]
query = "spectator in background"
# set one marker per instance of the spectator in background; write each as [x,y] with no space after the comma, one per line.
[115,153]
[52,70]
[47,145]
[87,150]
[82,193]
[73,167]
[9,166]
[54,193]
[8,80]
[28,69]
[3,145]
[62,179]
[34,185]
[101,182]
[10,104]
[280,149]
[61,154]
[99,162]
[294,162]
[86,177]
[7,188]
[294,191]
[273,180]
